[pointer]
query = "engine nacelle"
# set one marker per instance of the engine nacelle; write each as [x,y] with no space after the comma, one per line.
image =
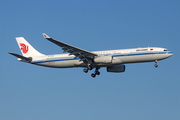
[117,68]
[103,59]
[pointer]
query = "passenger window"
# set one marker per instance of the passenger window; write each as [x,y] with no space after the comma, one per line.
[141,49]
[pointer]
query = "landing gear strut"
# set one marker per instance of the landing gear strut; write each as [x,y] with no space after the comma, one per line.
[97,72]
[156,64]
[89,67]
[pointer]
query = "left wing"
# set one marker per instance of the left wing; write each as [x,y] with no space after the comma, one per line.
[77,52]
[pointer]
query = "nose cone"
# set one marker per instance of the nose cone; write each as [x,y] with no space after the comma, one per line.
[169,54]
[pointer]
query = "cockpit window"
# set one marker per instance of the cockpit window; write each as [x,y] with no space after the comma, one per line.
[166,50]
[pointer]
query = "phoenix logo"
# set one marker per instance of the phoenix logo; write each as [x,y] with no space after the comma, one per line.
[24,48]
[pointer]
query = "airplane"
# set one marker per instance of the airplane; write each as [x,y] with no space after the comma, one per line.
[113,60]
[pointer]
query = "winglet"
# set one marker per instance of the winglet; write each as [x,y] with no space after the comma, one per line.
[45,36]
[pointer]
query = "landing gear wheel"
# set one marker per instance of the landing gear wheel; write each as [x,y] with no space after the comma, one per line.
[93,75]
[97,73]
[156,65]
[85,70]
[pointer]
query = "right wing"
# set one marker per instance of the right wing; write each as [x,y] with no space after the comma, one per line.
[77,52]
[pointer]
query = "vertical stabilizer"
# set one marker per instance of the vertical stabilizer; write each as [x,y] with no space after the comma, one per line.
[26,49]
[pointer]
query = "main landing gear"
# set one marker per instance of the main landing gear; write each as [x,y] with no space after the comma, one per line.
[89,67]
[156,64]
[96,72]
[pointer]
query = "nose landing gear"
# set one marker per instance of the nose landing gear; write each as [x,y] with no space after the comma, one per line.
[156,64]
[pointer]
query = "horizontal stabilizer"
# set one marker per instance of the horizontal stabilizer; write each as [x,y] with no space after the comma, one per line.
[22,58]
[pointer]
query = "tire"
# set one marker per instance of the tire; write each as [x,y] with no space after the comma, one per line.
[85,70]
[156,65]
[97,73]
[93,75]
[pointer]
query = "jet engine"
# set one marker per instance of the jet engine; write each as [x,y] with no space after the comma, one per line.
[116,68]
[103,59]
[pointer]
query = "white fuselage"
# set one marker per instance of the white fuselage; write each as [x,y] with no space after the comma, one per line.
[121,56]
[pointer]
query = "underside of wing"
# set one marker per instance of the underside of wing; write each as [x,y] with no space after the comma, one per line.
[77,52]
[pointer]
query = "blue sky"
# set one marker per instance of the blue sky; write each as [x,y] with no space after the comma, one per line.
[142,92]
